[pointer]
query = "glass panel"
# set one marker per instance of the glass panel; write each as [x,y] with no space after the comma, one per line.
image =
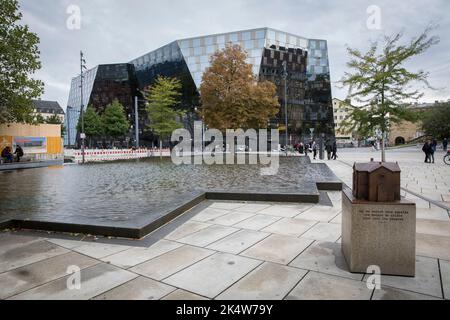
[208,41]
[210,49]
[248,44]
[197,51]
[271,35]
[246,36]
[184,44]
[260,34]
[204,59]
[196,42]
[282,37]
[220,39]
[233,37]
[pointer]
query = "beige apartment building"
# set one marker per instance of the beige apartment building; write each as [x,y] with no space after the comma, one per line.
[340,112]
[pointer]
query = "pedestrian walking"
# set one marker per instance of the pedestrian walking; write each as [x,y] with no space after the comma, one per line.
[445,144]
[329,148]
[427,150]
[314,149]
[334,150]
[433,149]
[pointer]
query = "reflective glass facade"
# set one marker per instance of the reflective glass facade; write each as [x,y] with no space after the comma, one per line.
[308,74]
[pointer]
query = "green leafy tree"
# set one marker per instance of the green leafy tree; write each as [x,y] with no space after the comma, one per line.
[93,124]
[231,96]
[380,83]
[436,122]
[114,119]
[162,99]
[19,58]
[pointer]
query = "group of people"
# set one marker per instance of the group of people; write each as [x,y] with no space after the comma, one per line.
[430,147]
[330,148]
[8,155]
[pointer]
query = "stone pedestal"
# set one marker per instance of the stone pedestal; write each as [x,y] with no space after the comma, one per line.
[379,233]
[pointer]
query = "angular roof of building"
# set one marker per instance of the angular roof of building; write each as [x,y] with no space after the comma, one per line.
[373,166]
[45,106]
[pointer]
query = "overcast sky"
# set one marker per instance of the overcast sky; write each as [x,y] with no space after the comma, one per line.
[118,31]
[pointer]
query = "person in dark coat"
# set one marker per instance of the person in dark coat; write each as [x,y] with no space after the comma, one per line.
[427,150]
[433,149]
[445,144]
[7,154]
[328,148]
[334,149]
[18,152]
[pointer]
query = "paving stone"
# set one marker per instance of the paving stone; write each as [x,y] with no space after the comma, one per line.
[94,281]
[257,222]
[325,257]
[269,281]
[445,273]
[183,295]
[434,227]
[171,262]
[337,219]
[131,257]
[432,213]
[227,205]
[253,207]
[387,293]
[277,248]
[9,240]
[290,227]
[281,211]
[213,275]
[426,281]
[209,214]
[239,241]
[319,286]
[65,243]
[324,232]
[207,236]
[319,213]
[35,274]
[139,288]
[232,218]
[433,246]
[27,252]
[99,250]
[186,229]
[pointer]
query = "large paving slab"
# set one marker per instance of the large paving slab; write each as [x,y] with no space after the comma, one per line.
[432,213]
[445,273]
[387,293]
[227,205]
[269,281]
[94,281]
[67,243]
[290,227]
[209,214]
[213,275]
[171,262]
[258,222]
[207,236]
[99,250]
[36,274]
[187,228]
[131,257]
[319,213]
[435,227]
[253,207]
[183,295]
[324,232]
[9,240]
[139,288]
[277,248]
[319,286]
[279,210]
[433,246]
[26,253]
[239,241]
[232,218]
[325,257]
[427,280]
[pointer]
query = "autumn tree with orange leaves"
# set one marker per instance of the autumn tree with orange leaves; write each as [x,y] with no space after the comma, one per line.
[231,95]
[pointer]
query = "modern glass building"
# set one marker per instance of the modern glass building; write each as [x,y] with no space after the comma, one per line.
[308,78]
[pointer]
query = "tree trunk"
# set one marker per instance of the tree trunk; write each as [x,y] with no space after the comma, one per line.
[383,152]
[160,149]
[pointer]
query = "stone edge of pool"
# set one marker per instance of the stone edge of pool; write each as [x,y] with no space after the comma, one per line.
[140,231]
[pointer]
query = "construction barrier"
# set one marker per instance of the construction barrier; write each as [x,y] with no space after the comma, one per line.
[93,155]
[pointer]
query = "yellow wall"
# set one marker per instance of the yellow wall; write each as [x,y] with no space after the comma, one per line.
[50,131]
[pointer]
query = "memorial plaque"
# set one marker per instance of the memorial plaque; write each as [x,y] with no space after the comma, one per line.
[379,233]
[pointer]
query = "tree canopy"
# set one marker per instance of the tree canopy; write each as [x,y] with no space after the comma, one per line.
[19,58]
[231,97]
[162,99]
[115,122]
[381,85]
[436,122]
[93,123]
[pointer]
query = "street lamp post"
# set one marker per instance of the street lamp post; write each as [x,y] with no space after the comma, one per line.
[82,134]
[285,105]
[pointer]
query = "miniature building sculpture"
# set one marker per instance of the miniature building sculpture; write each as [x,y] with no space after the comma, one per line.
[376,181]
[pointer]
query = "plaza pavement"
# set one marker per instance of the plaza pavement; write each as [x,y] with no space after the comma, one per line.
[238,250]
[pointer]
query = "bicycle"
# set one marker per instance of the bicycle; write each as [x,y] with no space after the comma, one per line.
[447,158]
